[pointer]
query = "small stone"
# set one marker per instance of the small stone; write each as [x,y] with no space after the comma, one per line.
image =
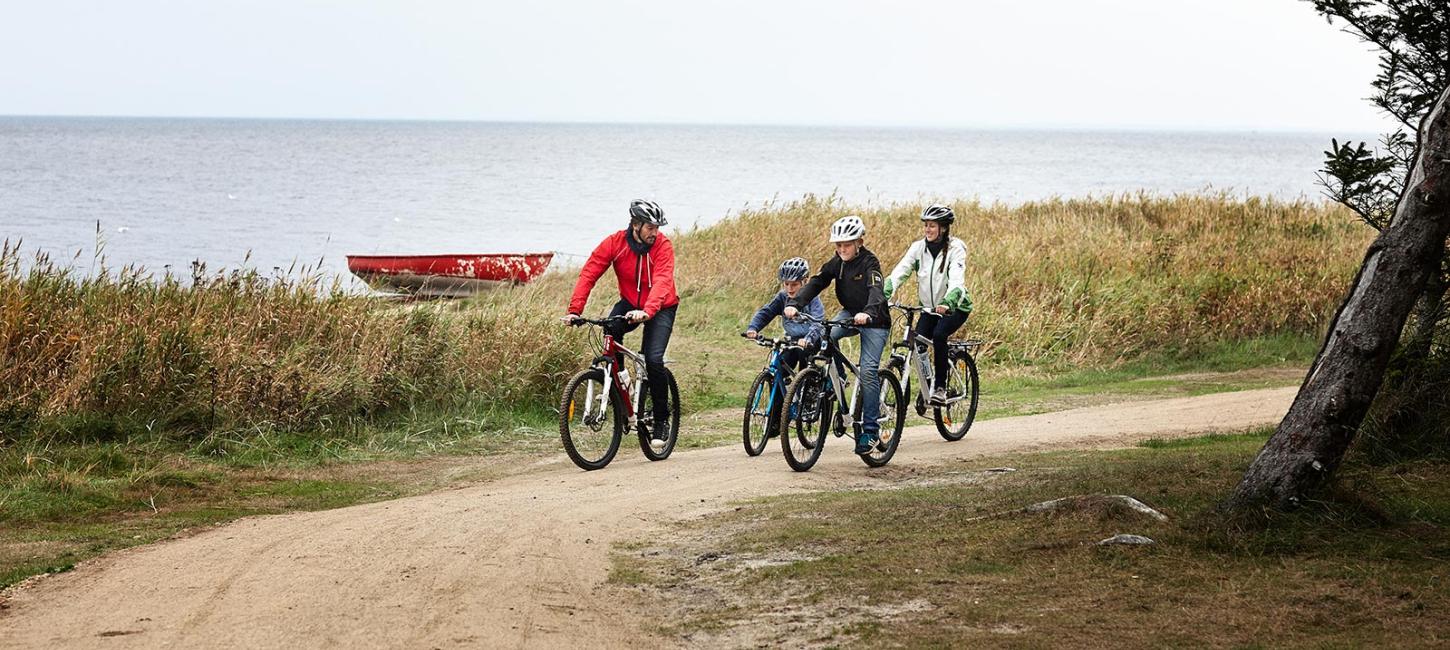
[1133,540]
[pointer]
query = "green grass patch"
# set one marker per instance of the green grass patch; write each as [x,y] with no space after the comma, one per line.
[956,562]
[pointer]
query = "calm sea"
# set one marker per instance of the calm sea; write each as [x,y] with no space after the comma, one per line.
[168,191]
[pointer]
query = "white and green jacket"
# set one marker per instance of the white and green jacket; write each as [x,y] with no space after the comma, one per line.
[935,285]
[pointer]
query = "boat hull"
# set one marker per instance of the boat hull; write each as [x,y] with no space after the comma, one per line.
[447,276]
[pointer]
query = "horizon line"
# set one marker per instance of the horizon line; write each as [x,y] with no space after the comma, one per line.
[1051,127]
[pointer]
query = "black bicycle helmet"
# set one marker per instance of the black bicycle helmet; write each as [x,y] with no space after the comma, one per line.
[647,212]
[939,213]
[794,269]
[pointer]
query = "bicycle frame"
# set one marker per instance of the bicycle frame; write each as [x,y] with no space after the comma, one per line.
[914,360]
[829,353]
[777,373]
[911,359]
[612,380]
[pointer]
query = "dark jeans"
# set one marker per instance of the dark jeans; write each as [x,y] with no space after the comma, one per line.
[657,332]
[939,328]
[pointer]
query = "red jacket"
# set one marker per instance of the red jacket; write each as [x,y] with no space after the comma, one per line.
[646,281]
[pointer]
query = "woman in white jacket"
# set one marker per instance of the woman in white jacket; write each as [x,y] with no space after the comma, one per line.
[940,263]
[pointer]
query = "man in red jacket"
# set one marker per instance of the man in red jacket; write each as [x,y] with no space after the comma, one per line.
[644,264]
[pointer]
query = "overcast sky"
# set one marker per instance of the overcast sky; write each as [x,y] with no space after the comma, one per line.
[1196,64]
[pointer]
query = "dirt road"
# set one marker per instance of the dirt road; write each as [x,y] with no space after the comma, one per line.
[520,562]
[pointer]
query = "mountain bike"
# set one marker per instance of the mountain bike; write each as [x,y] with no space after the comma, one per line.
[910,356]
[604,400]
[767,393]
[816,403]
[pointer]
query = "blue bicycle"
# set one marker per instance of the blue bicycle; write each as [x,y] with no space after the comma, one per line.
[767,393]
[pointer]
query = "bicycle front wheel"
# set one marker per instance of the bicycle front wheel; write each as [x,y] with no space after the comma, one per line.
[804,419]
[963,391]
[755,431]
[891,419]
[645,418]
[591,423]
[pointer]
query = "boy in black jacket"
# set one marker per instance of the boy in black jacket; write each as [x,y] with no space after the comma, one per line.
[857,275]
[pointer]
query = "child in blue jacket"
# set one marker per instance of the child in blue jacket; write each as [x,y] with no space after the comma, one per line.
[793,273]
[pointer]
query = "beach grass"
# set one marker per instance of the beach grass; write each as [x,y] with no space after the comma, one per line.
[1060,286]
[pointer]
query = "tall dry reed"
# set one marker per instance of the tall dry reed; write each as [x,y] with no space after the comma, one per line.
[1081,281]
[239,349]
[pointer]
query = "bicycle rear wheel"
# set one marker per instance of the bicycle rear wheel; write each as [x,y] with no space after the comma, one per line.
[590,428]
[804,419]
[963,392]
[646,424]
[891,419]
[755,431]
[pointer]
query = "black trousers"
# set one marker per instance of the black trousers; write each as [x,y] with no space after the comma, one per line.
[793,357]
[938,328]
[657,332]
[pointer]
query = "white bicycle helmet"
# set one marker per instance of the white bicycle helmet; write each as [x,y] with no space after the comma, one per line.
[849,228]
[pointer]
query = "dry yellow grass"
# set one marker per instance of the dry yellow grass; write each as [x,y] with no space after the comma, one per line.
[1083,280]
[242,350]
[1089,281]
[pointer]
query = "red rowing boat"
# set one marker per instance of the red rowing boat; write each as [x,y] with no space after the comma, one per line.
[446,276]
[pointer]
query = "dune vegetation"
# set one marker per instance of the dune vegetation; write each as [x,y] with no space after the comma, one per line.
[1059,284]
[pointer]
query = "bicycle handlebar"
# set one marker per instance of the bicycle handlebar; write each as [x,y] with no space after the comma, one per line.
[914,309]
[826,321]
[580,321]
[766,342]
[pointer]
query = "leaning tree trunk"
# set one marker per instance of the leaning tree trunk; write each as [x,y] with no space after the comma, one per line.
[1312,438]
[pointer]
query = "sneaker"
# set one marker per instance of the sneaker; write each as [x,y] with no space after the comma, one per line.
[939,397]
[658,437]
[866,443]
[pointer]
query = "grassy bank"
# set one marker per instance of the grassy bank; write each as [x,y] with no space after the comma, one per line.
[1090,281]
[124,353]
[950,559]
[1059,284]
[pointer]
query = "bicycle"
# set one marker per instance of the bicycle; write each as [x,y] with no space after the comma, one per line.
[607,393]
[816,403]
[767,392]
[963,391]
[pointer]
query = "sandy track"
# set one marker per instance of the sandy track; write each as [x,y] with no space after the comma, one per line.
[520,562]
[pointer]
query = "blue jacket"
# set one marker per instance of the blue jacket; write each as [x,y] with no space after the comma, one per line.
[794,329]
